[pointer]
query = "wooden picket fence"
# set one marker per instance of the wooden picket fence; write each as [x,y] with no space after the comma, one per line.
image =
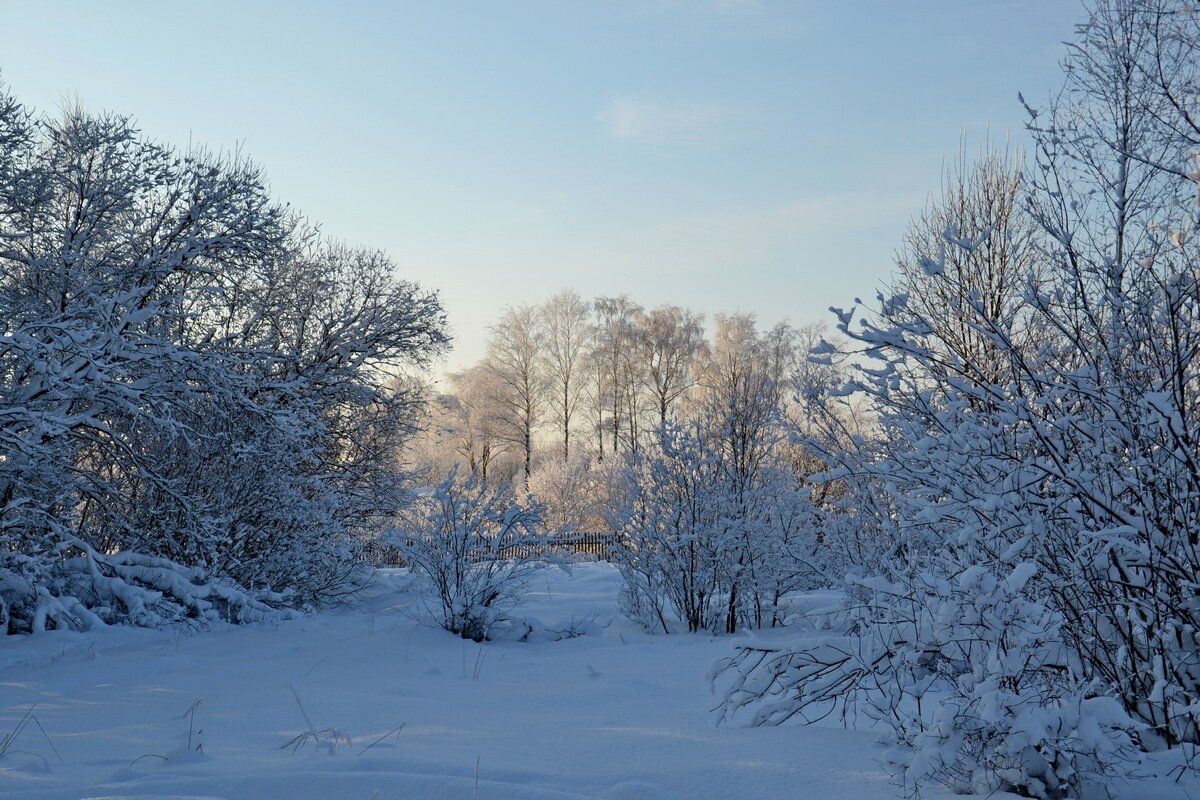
[589,546]
[381,554]
[586,546]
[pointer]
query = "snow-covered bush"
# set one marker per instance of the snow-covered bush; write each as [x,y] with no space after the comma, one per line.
[1037,430]
[476,546]
[83,588]
[968,671]
[188,377]
[577,494]
[718,527]
[672,531]
[702,550]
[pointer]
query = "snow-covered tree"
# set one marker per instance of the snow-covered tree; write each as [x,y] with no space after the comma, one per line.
[192,391]
[615,408]
[671,341]
[720,529]
[974,246]
[674,534]
[1041,476]
[517,383]
[470,424]
[567,344]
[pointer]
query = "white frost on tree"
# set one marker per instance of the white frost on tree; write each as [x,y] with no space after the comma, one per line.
[195,418]
[1039,460]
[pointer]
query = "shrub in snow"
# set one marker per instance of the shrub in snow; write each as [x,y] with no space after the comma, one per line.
[672,553]
[476,546]
[188,378]
[981,695]
[967,670]
[1042,411]
[702,549]
[82,588]
[577,493]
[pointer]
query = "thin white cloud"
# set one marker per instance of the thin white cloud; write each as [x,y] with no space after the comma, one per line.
[640,119]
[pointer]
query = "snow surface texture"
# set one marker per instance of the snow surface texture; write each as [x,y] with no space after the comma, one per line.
[309,708]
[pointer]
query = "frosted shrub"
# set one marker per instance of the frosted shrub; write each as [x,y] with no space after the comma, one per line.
[476,546]
[673,532]
[195,390]
[576,494]
[1038,421]
[702,550]
[967,671]
[1007,714]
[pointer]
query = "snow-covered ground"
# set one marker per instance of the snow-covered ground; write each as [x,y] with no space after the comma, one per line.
[614,714]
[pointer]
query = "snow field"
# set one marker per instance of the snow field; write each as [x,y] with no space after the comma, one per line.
[617,715]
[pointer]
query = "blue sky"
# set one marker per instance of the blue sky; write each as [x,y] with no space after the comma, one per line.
[738,155]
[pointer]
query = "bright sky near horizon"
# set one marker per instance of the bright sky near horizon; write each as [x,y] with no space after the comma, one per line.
[717,154]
